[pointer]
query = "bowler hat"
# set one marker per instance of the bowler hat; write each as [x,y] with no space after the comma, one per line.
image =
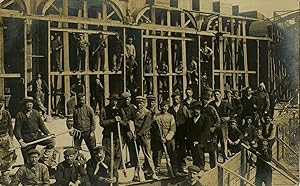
[126,95]
[28,99]
[114,96]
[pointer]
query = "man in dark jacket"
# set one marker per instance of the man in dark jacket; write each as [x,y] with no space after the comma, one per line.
[98,94]
[198,128]
[118,53]
[99,47]
[84,121]
[189,100]
[181,114]
[30,127]
[98,169]
[263,99]
[70,172]
[110,116]
[235,102]
[39,87]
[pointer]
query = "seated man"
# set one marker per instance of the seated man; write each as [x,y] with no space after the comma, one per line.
[98,168]
[70,172]
[234,138]
[33,172]
[193,177]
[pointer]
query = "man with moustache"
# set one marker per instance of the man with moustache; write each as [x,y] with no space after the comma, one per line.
[29,127]
[70,172]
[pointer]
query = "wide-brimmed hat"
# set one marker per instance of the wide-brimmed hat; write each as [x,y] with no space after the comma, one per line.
[114,96]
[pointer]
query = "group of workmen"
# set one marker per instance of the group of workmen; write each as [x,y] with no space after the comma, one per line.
[187,127]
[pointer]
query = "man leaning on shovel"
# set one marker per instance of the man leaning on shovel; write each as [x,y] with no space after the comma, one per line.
[30,127]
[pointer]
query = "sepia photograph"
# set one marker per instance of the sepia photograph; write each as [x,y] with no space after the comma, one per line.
[149,92]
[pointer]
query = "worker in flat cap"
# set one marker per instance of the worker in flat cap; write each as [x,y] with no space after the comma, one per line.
[236,93]
[98,168]
[39,87]
[198,130]
[70,172]
[82,46]
[111,115]
[32,172]
[84,124]
[225,111]
[117,53]
[141,126]
[164,129]
[98,52]
[151,101]
[263,99]
[235,137]
[181,113]
[130,53]
[193,178]
[98,95]
[189,100]
[29,126]
[267,130]
[6,143]
[236,104]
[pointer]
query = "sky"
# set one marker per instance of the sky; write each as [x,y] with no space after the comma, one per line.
[266,7]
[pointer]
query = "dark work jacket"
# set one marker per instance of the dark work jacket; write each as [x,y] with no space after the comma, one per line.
[45,88]
[108,121]
[199,131]
[237,106]
[181,116]
[118,46]
[263,101]
[103,172]
[84,118]
[234,134]
[225,109]
[66,174]
[248,106]
[188,105]
[130,111]
[29,127]
[5,123]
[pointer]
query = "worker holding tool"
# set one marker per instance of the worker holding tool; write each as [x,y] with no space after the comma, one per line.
[164,129]
[109,118]
[84,124]
[29,127]
[6,142]
[142,136]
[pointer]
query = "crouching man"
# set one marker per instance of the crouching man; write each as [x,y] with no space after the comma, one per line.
[70,172]
[33,172]
[193,177]
[98,169]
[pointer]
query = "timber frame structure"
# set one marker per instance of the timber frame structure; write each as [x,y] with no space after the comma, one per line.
[241,57]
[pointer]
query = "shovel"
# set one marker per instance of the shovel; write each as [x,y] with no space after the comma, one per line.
[140,171]
[125,175]
[111,157]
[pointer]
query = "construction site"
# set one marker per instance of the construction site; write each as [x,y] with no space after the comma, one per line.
[154,47]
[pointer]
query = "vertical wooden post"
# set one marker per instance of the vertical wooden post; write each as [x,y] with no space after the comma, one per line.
[221,56]
[124,60]
[87,77]
[2,69]
[277,144]
[283,139]
[257,62]
[232,21]
[66,56]
[245,54]
[269,66]
[183,50]
[142,61]
[170,64]
[213,63]
[243,170]
[106,75]
[199,66]
[290,131]
[220,176]
[154,60]
[49,68]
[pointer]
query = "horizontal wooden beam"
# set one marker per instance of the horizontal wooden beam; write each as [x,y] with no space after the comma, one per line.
[84,73]
[75,30]
[113,23]
[234,71]
[162,75]
[11,75]
[168,37]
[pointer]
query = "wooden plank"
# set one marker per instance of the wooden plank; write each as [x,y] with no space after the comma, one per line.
[221,56]
[257,62]
[10,75]
[2,68]
[245,54]
[87,66]
[66,56]
[49,69]
[106,76]
[170,62]
[184,62]
[169,37]
[88,31]
[232,29]
[236,71]
[154,61]
[220,176]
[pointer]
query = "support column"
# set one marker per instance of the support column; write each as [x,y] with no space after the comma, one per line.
[154,61]
[66,55]
[170,64]
[258,63]
[106,75]
[27,53]
[2,69]
[184,62]
[49,69]
[232,21]
[245,54]
[87,66]
[221,55]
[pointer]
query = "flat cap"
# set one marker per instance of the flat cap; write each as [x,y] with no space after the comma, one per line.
[232,120]
[69,152]
[33,151]
[196,104]
[151,97]
[140,99]
[98,149]
[163,103]
[130,39]
[126,95]
[194,168]
[28,99]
